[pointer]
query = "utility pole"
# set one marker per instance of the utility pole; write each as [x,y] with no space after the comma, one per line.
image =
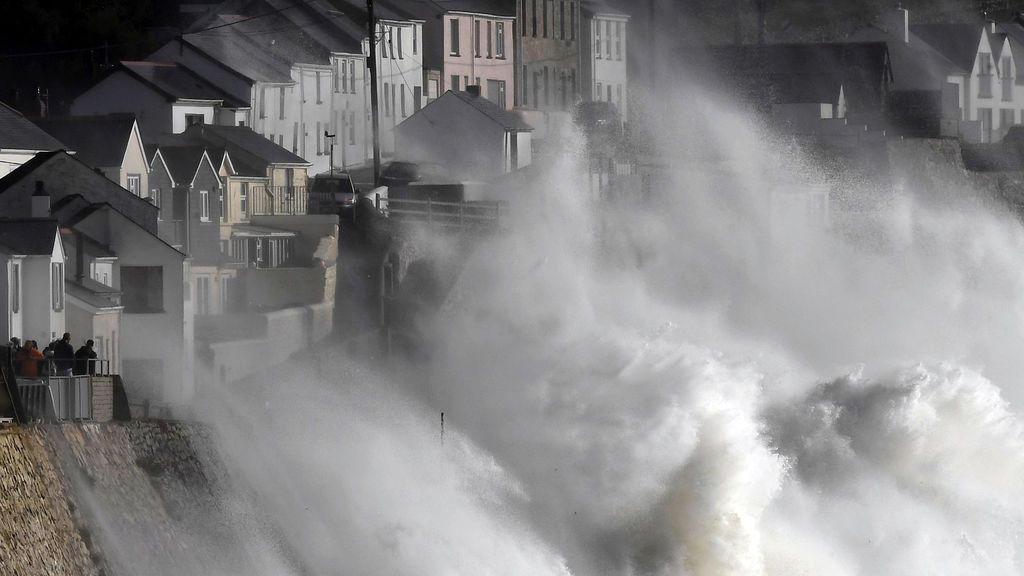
[371,23]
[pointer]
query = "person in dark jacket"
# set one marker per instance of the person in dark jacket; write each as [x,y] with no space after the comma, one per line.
[64,355]
[82,359]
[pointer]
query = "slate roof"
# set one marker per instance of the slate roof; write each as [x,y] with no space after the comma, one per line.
[763,72]
[90,292]
[19,133]
[1015,32]
[177,82]
[65,175]
[508,120]
[916,65]
[99,141]
[250,153]
[957,42]
[182,162]
[28,236]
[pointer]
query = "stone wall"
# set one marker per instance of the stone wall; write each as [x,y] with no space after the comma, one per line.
[145,497]
[38,531]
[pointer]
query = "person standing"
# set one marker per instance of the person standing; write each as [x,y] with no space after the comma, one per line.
[64,355]
[31,359]
[84,359]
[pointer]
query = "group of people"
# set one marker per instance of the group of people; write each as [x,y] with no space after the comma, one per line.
[59,358]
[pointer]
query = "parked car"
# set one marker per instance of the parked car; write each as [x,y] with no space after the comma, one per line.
[334,190]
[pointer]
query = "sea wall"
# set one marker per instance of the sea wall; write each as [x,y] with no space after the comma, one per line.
[145,497]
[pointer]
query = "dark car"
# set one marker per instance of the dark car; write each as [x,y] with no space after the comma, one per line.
[598,119]
[400,174]
[334,190]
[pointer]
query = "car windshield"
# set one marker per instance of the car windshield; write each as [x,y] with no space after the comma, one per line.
[334,185]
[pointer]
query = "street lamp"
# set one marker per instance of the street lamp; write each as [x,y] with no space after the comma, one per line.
[330,142]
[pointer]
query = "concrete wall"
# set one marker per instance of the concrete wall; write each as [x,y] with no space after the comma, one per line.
[286,287]
[281,334]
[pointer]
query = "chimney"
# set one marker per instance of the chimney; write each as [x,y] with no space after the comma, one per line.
[40,201]
[897,24]
[473,90]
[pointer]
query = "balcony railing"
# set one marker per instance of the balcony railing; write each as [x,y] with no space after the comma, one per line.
[172,231]
[278,200]
[51,398]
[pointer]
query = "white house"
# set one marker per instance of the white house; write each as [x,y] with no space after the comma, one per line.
[110,143]
[32,258]
[20,140]
[985,83]
[604,55]
[480,139]
[166,97]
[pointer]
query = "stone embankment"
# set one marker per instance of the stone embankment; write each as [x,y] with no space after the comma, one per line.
[133,498]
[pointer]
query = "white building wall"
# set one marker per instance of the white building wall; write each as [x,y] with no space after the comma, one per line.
[609,59]
[11,159]
[401,73]
[178,112]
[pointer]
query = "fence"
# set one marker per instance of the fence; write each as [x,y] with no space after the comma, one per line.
[448,215]
[278,200]
[61,398]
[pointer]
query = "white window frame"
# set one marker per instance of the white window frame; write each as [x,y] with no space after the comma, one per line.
[204,205]
[133,182]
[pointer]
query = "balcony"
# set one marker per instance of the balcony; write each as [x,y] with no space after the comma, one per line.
[172,232]
[50,398]
[278,201]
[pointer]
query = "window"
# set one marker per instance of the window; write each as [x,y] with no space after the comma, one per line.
[387,112]
[476,38]
[194,120]
[15,287]
[534,18]
[523,15]
[526,74]
[454,37]
[599,92]
[1006,119]
[225,294]
[319,148]
[618,97]
[1007,79]
[490,42]
[155,197]
[561,19]
[618,40]
[319,100]
[572,21]
[984,75]
[403,104]
[415,40]
[401,54]
[597,39]
[263,102]
[271,138]
[204,205]
[352,76]
[340,68]
[985,116]
[220,200]
[417,97]
[563,88]
[243,199]
[57,285]
[608,39]
[134,182]
[547,87]
[609,93]
[544,7]
[393,109]
[496,92]
[202,295]
[499,39]
[142,289]
[280,103]
[352,128]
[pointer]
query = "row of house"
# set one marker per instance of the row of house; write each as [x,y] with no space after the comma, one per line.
[295,70]
[895,78]
[152,250]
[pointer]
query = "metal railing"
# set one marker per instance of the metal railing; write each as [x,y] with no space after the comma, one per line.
[56,398]
[277,200]
[447,215]
[171,231]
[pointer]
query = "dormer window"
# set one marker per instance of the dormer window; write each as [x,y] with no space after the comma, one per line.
[984,75]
